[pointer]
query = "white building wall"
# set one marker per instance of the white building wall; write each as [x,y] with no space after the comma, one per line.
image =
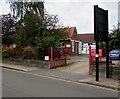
[85,49]
[73,46]
[80,48]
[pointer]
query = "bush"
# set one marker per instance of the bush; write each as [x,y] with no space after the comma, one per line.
[26,53]
[7,52]
[29,53]
[20,53]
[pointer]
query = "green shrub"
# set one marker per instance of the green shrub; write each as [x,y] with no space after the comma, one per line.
[26,53]
[7,52]
[20,53]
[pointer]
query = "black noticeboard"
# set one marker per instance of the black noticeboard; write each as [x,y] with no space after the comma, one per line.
[101,35]
[100,24]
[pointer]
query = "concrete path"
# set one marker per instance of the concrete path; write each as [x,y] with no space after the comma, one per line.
[79,65]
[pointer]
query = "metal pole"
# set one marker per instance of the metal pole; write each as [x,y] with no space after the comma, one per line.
[89,68]
[107,48]
[97,61]
[97,40]
[107,60]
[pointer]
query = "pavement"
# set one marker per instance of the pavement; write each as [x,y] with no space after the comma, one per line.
[82,78]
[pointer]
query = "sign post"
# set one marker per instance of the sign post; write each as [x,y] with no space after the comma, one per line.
[101,34]
[97,40]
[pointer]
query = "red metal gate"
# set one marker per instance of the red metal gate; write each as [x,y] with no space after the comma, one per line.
[57,58]
[92,57]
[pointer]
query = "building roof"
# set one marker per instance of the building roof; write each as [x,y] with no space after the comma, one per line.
[70,30]
[72,33]
[86,38]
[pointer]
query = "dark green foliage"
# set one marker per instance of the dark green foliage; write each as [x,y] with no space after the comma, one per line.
[7,52]
[102,45]
[28,29]
[114,37]
[44,43]
[8,28]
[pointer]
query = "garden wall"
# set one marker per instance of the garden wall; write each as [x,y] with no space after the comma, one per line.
[26,62]
[114,70]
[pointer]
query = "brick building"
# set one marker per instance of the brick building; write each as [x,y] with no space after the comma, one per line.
[87,40]
[71,44]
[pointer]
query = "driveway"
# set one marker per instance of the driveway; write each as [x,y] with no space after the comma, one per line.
[77,64]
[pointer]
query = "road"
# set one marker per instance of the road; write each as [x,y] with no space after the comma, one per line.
[25,84]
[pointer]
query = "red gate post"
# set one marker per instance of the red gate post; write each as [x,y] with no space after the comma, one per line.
[54,51]
[65,58]
[90,60]
[51,59]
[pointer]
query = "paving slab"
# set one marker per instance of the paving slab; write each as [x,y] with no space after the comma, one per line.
[18,67]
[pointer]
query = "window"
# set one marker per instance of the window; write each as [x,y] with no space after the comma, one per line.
[62,44]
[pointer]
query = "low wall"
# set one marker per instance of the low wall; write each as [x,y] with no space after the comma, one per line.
[32,63]
[114,71]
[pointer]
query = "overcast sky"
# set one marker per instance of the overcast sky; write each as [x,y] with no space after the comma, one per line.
[76,13]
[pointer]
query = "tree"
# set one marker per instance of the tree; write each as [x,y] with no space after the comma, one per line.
[19,9]
[114,37]
[29,16]
[8,28]
[27,29]
[32,29]
[50,35]
[37,29]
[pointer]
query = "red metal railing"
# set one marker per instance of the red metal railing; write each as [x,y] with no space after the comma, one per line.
[57,58]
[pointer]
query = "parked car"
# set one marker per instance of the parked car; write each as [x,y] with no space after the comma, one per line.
[115,54]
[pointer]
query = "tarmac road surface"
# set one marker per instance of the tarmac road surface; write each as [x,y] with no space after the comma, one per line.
[26,84]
